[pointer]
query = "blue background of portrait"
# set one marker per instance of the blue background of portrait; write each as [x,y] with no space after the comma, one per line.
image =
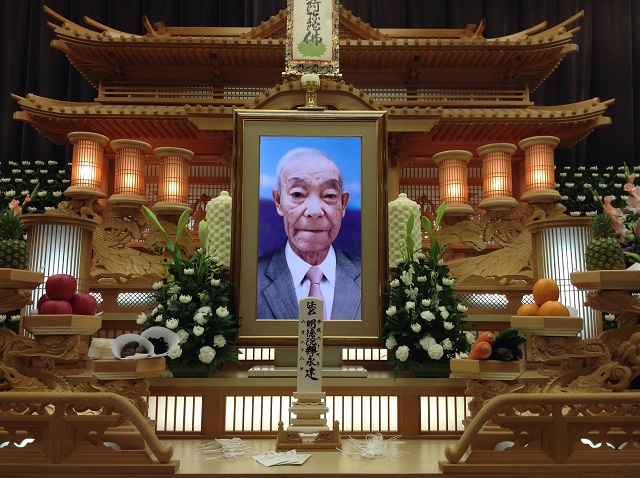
[345,152]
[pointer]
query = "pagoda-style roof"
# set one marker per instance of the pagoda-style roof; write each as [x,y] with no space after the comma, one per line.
[206,130]
[369,57]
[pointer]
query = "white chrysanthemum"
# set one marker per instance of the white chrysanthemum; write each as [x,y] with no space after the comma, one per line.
[448,281]
[391,311]
[199,318]
[222,312]
[158,318]
[426,302]
[441,262]
[410,305]
[183,335]
[447,325]
[435,351]
[215,282]
[471,337]
[198,330]
[444,313]
[462,308]
[3,317]
[427,315]
[172,324]
[175,352]
[174,289]
[142,318]
[402,353]
[447,344]
[205,309]
[189,271]
[416,327]
[390,342]
[394,283]
[427,341]
[418,256]
[609,317]
[438,288]
[422,279]
[15,318]
[185,299]
[207,354]
[219,341]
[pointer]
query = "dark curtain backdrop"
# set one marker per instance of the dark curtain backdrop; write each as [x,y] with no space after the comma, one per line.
[605,66]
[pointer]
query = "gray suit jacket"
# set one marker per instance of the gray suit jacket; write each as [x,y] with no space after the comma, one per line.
[277,296]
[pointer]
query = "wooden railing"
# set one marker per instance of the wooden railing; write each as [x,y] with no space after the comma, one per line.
[550,432]
[53,431]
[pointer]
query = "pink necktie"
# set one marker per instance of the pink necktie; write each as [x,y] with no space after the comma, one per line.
[314,274]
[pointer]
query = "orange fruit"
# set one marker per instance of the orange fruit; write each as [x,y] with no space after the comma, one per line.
[528,309]
[554,308]
[545,290]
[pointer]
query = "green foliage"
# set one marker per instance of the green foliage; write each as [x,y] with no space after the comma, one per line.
[312,49]
[424,320]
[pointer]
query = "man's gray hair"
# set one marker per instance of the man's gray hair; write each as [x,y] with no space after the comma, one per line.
[303,151]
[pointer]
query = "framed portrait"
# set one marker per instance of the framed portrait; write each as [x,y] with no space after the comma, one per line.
[309,188]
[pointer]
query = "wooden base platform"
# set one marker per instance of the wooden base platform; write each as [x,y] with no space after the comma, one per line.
[422,460]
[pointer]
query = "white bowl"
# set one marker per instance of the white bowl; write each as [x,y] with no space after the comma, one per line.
[122,340]
[157,332]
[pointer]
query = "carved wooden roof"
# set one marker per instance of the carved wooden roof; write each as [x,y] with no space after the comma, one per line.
[368,56]
[206,130]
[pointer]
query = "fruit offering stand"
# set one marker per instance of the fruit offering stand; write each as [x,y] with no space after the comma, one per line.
[573,423]
[40,399]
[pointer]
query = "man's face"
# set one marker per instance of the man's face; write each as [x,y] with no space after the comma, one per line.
[311,203]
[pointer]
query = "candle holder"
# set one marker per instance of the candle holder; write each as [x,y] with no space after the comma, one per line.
[173,181]
[538,165]
[129,175]
[452,172]
[86,174]
[496,176]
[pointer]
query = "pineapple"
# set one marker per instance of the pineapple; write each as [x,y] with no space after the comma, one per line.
[604,251]
[13,247]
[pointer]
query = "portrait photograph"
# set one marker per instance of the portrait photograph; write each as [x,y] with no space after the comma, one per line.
[309,193]
[324,190]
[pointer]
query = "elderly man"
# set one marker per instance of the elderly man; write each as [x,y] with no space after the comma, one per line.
[309,195]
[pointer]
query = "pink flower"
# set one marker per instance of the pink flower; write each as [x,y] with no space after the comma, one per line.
[617,219]
[14,207]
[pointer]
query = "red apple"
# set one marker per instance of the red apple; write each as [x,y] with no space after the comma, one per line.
[61,286]
[42,300]
[84,304]
[55,306]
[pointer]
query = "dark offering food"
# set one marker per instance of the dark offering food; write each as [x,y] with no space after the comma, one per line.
[132,348]
[160,345]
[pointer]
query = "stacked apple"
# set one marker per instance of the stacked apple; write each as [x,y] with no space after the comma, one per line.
[61,297]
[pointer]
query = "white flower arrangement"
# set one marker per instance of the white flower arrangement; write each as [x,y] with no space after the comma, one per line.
[424,320]
[193,300]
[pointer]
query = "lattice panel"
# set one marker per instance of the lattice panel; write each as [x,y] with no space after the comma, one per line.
[443,414]
[364,354]
[259,415]
[176,414]
[135,299]
[98,297]
[355,413]
[242,92]
[256,354]
[484,301]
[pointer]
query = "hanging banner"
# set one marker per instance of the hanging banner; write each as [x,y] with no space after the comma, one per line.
[312,37]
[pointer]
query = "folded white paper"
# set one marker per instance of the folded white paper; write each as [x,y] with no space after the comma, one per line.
[272,458]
